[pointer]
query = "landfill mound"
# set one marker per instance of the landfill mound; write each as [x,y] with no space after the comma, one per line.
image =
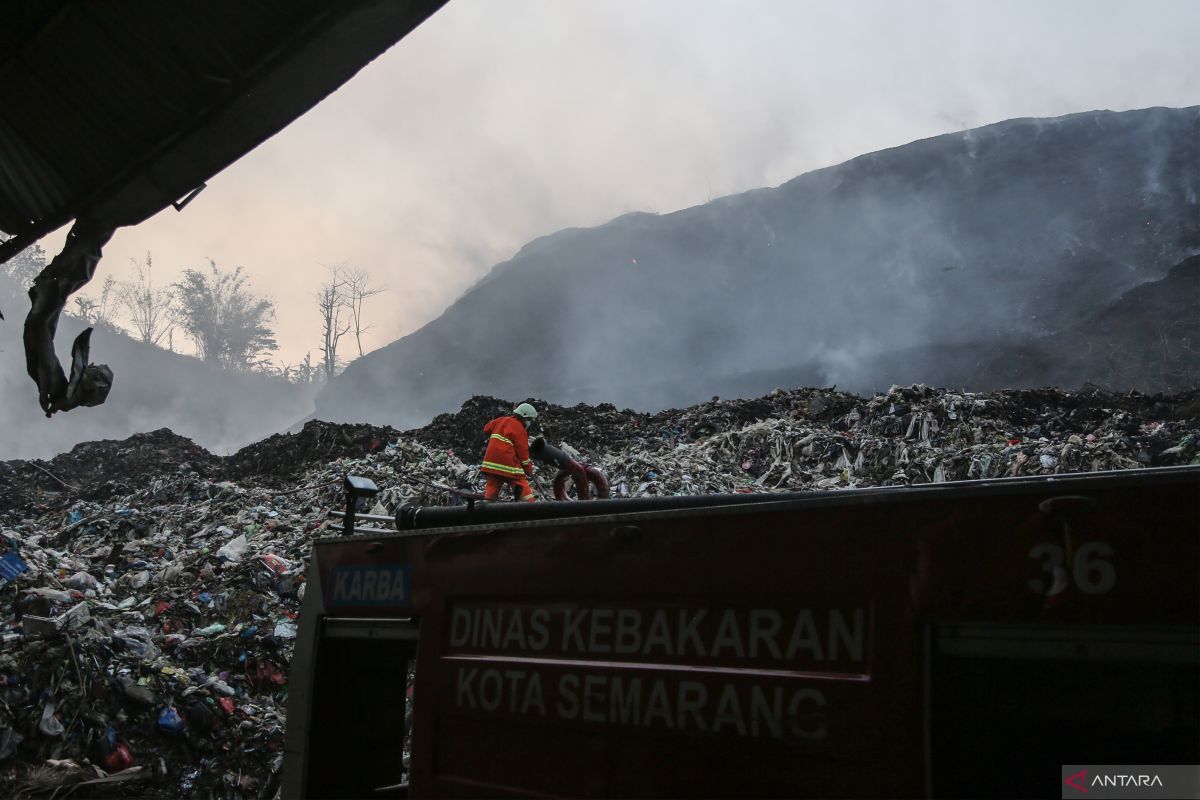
[287,455]
[103,469]
[149,590]
[603,428]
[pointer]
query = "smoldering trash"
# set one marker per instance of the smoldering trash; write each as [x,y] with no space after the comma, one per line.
[149,590]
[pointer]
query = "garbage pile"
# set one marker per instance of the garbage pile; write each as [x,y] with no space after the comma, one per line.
[151,633]
[149,589]
[285,456]
[815,439]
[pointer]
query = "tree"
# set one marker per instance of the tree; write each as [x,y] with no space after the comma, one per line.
[358,288]
[228,324]
[150,309]
[303,372]
[25,265]
[98,312]
[332,303]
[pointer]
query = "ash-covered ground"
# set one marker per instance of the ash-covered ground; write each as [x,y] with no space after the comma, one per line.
[150,588]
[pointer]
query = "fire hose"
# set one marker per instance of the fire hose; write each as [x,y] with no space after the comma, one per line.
[586,478]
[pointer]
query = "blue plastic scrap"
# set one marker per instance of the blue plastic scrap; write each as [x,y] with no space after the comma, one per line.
[170,721]
[11,565]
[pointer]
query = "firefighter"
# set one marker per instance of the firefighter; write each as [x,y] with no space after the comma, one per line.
[506,462]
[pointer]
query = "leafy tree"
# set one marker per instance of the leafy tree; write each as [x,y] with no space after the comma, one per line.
[228,324]
[25,265]
[303,372]
[98,312]
[150,309]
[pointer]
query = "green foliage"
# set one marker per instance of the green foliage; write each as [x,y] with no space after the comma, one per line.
[25,265]
[228,324]
[98,311]
[302,373]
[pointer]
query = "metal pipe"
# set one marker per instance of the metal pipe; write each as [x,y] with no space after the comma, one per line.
[420,517]
[367,517]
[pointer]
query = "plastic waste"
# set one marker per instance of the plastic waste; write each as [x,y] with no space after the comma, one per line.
[136,692]
[9,741]
[221,686]
[277,564]
[49,725]
[200,717]
[170,720]
[82,581]
[213,625]
[234,549]
[285,630]
[50,594]
[118,758]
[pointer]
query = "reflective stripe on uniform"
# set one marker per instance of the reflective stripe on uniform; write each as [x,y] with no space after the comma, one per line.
[501,438]
[526,461]
[503,468]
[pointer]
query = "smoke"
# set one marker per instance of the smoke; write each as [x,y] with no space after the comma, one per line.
[495,124]
[492,125]
[865,274]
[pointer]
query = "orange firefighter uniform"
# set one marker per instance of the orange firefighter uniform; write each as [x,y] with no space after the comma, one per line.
[506,462]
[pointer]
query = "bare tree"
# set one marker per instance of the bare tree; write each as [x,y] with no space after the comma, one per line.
[335,319]
[150,310]
[358,288]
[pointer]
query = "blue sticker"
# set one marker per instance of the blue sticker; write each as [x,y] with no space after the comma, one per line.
[369,585]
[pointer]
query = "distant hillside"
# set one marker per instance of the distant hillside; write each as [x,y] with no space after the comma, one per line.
[1017,240]
[152,388]
[1147,339]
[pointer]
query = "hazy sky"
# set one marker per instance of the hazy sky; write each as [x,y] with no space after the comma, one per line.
[497,122]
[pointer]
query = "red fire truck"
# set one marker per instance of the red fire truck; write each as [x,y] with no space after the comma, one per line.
[956,640]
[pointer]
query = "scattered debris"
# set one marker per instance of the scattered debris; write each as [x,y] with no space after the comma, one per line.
[149,590]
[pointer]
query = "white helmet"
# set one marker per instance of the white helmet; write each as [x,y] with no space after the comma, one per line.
[525,411]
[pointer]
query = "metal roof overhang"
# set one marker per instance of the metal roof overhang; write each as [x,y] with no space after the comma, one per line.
[115,109]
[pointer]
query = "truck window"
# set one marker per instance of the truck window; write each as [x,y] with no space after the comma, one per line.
[1025,699]
[362,708]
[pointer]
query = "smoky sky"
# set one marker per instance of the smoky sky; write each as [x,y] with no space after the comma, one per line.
[495,123]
